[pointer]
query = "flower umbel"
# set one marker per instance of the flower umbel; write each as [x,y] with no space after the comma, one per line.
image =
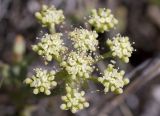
[50,47]
[113,80]
[121,47]
[50,16]
[102,20]
[78,65]
[84,40]
[42,81]
[74,100]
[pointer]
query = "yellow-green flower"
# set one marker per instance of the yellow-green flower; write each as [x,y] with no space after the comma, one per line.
[43,81]
[102,20]
[78,65]
[74,100]
[84,40]
[50,16]
[113,80]
[120,47]
[50,47]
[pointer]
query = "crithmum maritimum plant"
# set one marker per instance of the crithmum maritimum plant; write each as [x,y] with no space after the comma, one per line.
[77,65]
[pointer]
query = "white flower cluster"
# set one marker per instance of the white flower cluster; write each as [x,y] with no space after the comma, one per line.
[102,20]
[78,65]
[84,40]
[50,47]
[121,47]
[50,16]
[74,100]
[42,81]
[113,80]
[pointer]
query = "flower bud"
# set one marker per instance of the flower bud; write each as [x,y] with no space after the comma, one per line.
[120,47]
[102,20]
[41,81]
[113,80]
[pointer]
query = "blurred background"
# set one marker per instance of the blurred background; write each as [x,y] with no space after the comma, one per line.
[138,19]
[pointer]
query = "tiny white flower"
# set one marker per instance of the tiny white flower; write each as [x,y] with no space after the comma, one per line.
[50,16]
[113,80]
[84,40]
[121,47]
[47,47]
[102,20]
[74,100]
[81,65]
[41,81]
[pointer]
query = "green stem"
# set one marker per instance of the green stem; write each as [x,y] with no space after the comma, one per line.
[104,56]
[58,59]
[107,55]
[62,75]
[94,79]
[52,29]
